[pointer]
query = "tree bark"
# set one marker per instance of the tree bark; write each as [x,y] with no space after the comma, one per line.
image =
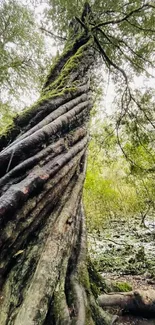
[43,272]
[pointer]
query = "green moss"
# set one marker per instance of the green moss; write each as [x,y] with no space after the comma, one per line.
[89,320]
[71,65]
[121,287]
[20,120]
[97,283]
[59,307]
[56,93]
[57,88]
[67,52]
[45,98]
[84,277]
[6,129]
[95,289]
[8,134]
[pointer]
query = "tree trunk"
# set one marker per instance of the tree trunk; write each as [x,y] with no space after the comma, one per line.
[43,273]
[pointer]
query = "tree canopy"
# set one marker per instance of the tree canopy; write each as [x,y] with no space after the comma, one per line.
[23,61]
[123,33]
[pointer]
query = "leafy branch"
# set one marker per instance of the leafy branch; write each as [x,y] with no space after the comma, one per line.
[118,21]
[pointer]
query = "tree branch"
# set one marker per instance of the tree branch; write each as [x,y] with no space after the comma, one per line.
[118,21]
[109,61]
[127,46]
[149,30]
[52,34]
[81,23]
[121,50]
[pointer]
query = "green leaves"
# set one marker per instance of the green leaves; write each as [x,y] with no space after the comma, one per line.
[62,12]
[117,187]
[21,49]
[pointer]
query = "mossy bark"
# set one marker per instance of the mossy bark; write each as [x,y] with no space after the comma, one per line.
[43,273]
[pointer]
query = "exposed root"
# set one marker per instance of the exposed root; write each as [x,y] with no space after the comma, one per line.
[137,302]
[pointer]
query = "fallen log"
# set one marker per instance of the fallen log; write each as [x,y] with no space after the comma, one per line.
[139,302]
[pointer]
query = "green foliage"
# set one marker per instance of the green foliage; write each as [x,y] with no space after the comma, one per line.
[21,49]
[111,189]
[125,32]
[135,132]
[61,12]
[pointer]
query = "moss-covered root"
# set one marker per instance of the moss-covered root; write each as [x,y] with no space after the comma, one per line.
[84,309]
[61,312]
[97,283]
[73,302]
[99,316]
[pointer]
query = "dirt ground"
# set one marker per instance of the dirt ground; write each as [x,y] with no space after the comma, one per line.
[141,282]
[137,282]
[131,320]
[125,252]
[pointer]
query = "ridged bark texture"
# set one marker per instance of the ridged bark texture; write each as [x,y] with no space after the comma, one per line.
[43,274]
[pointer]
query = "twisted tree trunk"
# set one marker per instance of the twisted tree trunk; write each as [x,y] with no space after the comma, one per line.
[43,273]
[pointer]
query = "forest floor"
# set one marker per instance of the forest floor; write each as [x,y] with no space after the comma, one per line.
[124,254]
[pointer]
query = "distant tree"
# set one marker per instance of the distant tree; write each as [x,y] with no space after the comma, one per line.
[22,57]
